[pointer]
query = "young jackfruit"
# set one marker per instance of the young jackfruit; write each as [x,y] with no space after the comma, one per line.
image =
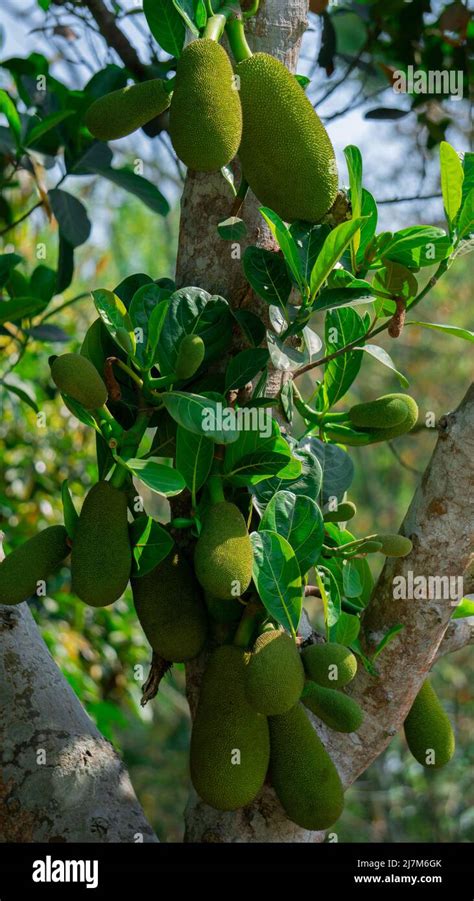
[428,732]
[119,113]
[337,710]
[394,545]
[223,554]
[223,611]
[205,116]
[344,511]
[229,741]
[75,375]
[331,665]
[385,418]
[303,775]
[274,677]
[287,157]
[30,563]
[170,609]
[101,558]
[190,356]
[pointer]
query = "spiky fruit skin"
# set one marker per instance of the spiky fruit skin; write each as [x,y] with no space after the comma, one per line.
[31,562]
[223,611]
[427,728]
[101,557]
[223,554]
[190,356]
[205,116]
[394,545]
[225,723]
[287,157]
[385,418]
[119,113]
[340,712]
[330,665]
[76,376]
[302,773]
[274,677]
[170,609]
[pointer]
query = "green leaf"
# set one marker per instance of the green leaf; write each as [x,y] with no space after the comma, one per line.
[351,580]
[298,519]
[155,326]
[331,596]
[145,302]
[166,25]
[80,413]
[337,468]
[251,325]
[455,330]
[245,366]
[20,389]
[155,475]
[395,279]
[330,298]
[309,240]
[65,265]
[388,637]
[20,308]
[334,246]
[368,665]
[255,456]
[452,177]
[368,227]
[267,274]
[277,577]
[71,214]
[464,608]
[43,282]
[232,229]
[342,327]
[202,416]
[383,357]
[354,165]
[465,226]
[286,243]
[137,185]
[307,481]
[192,311]
[71,515]
[150,542]
[45,125]
[9,110]
[346,630]
[186,10]
[8,262]
[116,319]
[194,456]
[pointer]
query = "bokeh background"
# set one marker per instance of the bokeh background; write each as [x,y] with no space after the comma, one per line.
[103,653]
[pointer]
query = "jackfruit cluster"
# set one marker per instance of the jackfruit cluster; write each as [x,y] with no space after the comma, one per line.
[230,747]
[286,154]
[30,563]
[76,376]
[428,731]
[274,676]
[190,356]
[205,116]
[385,418]
[121,112]
[331,665]
[101,557]
[170,609]
[339,711]
[223,553]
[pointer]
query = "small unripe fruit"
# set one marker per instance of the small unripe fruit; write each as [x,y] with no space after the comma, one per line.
[386,417]
[223,555]
[30,563]
[344,511]
[339,711]
[428,732]
[394,545]
[331,665]
[190,356]
[119,113]
[274,677]
[76,376]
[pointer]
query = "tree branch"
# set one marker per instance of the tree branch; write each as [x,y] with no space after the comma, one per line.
[458,635]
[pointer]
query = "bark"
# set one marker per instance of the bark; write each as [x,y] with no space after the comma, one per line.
[60,780]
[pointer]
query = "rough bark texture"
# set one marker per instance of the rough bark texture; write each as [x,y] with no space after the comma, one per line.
[60,780]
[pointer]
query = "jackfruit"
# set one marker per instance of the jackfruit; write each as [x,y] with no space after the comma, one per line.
[303,775]
[337,710]
[190,356]
[331,665]
[345,511]
[119,113]
[394,545]
[428,732]
[286,155]
[223,611]
[101,557]
[230,746]
[76,376]
[385,418]
[31,562]
[170,609]
[223,554]
[205,116]
[274,677]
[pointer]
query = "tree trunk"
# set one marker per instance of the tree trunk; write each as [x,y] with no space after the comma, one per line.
[60,780]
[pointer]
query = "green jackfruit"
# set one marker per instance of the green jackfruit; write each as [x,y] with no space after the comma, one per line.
[345,511]
[101,557]
[205,116]
[223,554]
[119,113]
[337,710]
[428,732]
[230,747]
[370,547]
[76,376]
[31,562]
[394,545]
[331,665]
[274,677]
[170,609]
[190,356]
[303,775]
[287,157]
[223,611]
[385,418]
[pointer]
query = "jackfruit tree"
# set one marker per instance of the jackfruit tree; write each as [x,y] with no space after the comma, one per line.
[254,579]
